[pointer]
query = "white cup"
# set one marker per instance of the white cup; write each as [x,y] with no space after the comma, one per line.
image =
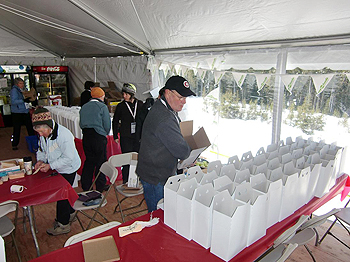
[16,189]
[28,167]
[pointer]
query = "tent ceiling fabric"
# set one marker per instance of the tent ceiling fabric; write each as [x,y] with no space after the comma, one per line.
[88,28]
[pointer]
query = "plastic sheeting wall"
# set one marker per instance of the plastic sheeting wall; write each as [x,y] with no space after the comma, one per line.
[118,69]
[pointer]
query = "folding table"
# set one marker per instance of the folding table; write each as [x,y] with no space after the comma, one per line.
[161,243]
[40,188]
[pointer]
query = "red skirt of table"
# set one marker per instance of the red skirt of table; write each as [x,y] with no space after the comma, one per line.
[112,149]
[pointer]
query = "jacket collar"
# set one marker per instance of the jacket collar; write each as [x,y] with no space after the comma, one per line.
[54,133]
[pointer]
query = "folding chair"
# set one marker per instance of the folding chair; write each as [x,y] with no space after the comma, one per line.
[118,161]
[299,234]
[90,233]
[343,217]
[6,225]
[108,170]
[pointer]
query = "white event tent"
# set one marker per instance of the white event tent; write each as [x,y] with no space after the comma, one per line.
[129,40]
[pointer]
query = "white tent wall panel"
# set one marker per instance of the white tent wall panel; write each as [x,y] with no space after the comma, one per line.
[118,69]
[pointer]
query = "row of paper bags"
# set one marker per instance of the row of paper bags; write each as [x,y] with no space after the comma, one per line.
[231,206]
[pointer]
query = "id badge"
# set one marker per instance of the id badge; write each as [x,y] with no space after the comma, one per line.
[133,127]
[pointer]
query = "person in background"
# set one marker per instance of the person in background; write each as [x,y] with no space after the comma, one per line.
[86,94]
[96,124]
[124,124]
[20,112]
[57,152]
[141,116]
[162,143]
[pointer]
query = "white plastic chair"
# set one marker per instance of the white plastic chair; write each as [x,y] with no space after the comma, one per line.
[299,234]
[282,248]
[343,218]
[90,233]
[118,161]
[108,170]
[6,225]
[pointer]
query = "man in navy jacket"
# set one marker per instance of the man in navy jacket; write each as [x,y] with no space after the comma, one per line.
[19,112]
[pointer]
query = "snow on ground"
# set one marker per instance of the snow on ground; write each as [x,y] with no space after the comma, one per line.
[230,137]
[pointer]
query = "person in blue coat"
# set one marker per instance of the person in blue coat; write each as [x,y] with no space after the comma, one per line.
[19,112]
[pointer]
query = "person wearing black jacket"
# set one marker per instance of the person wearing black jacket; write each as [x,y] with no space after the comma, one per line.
[86,94]
[124,124]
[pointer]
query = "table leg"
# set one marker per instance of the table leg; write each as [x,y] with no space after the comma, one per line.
[32,229]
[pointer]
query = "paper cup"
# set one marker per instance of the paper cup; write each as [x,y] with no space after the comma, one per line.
[28,167]
[16,189]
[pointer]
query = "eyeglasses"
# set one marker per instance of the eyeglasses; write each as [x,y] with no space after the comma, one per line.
[181,98]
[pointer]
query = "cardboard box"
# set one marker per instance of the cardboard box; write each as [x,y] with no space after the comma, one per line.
[170,195]
[286,158]
[133,180]
[257,216]
[112,91]
[242,175]
[247,165]
[184,209]
[273,191]
[228,170]
[314,174]
[215,165]
[203,214]
[324,178]
[208,178]
[235,161]
[289,200]
[112,104]
[198,142]
[222,183]
[260,169]
[303,187]
[283,150]
[230,226]
[195,172]
[272,155]
[103,249]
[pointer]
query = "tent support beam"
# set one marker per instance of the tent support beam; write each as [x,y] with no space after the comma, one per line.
[278,96]
[106,23]
[272,44]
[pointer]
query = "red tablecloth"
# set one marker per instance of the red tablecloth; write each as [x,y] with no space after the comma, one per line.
[1,121]
[161,243]
[112,149]
[40,189]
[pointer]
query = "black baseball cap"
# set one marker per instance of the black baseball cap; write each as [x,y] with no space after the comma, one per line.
[179,84]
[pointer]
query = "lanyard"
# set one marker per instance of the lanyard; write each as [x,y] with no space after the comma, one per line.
[177,118]
[132,114]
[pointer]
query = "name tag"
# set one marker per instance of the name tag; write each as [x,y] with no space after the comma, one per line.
[133,127]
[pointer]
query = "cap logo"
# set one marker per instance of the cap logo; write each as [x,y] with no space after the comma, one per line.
[186,84]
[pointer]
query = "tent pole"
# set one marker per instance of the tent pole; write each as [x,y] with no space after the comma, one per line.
[95,77]
[278,96]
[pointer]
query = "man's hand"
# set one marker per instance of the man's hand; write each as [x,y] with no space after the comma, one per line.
[38,165]
[45,168]
[116,140]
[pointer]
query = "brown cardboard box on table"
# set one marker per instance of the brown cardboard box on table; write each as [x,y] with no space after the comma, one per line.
[103,249]
[113,96]
[198,142]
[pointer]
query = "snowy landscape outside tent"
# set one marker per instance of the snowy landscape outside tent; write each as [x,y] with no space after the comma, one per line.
[231,137]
